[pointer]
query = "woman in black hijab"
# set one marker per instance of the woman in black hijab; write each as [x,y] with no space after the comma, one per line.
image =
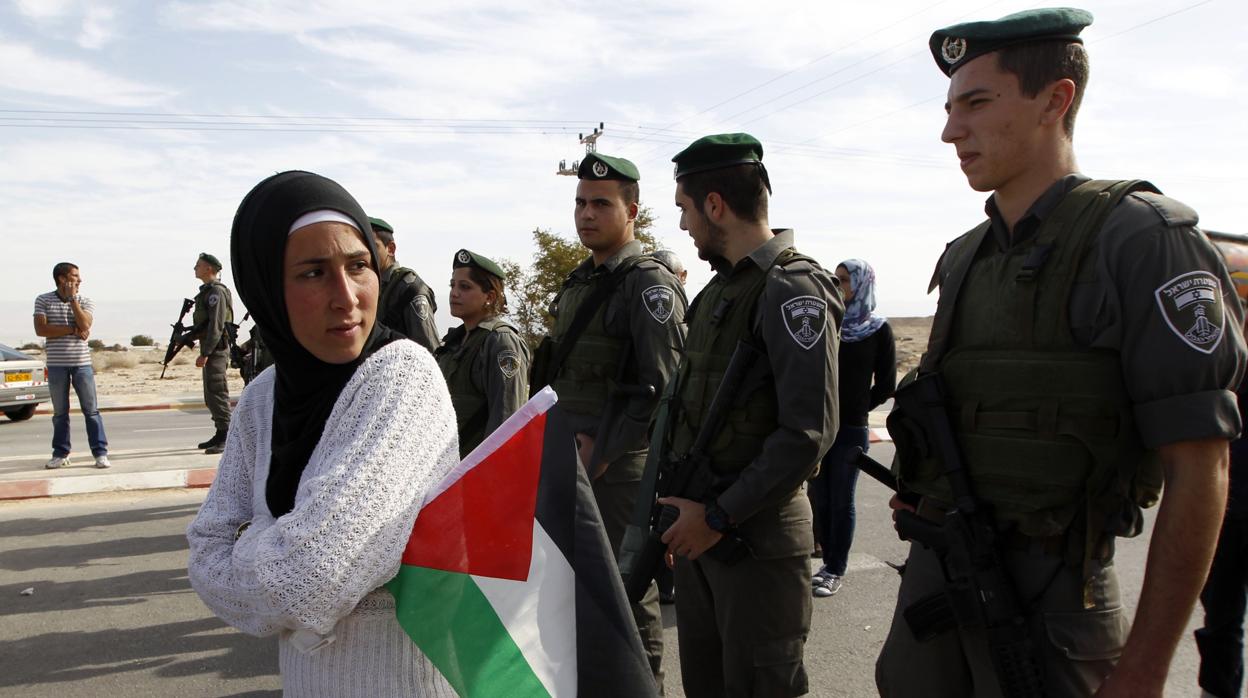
[329,456]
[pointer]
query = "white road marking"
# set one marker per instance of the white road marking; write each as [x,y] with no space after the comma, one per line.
[140,431]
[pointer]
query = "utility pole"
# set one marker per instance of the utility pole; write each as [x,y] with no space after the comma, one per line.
[591,145]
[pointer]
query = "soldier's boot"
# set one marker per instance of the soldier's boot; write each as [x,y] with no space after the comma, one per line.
[216,444]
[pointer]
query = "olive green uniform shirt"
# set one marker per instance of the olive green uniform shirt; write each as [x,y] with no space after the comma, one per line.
[656,347]
[417,324]
[499,371]
[1149,243]
[214,306]
[805,380]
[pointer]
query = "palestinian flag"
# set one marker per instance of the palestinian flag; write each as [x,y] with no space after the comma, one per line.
[508,584]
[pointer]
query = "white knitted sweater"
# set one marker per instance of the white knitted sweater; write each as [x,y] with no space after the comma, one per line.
[313,575]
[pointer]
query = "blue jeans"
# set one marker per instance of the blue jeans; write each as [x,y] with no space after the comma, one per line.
[83,379]
[832,498]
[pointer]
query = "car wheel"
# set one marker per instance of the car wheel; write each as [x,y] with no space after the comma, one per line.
[19,414]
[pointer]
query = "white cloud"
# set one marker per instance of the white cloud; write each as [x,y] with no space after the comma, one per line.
[97,27]
[24,69]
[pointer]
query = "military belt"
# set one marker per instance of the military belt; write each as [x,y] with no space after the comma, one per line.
[1055,546]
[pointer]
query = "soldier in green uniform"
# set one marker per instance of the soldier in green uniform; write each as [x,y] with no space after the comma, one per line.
[743,619]
[617,339]
[1088,336]
[484,360]
[214,306]
[406,303]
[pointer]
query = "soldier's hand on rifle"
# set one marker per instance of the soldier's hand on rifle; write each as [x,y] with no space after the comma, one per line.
[201,361]
[689,536]
[896,503]
[585,451]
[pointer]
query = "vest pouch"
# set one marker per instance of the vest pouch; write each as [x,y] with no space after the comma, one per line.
[1043,433]
[912,455]
[582,380]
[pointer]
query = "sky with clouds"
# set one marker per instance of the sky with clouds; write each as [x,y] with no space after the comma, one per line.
[129,131]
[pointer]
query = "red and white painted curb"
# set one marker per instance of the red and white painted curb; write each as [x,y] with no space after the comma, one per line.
[106,482]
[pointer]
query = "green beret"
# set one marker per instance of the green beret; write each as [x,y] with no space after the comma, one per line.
[953,47]
[216,263]
[717,152]
[466,258]
[598,166]
[379,223]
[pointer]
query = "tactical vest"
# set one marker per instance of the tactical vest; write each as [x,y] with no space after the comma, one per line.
[597,360]
[471,403]
[1046,427]
[721,315]
[396,295]
[200,317]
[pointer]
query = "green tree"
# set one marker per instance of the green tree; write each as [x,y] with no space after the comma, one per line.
[97,344]
[141,340]
[531,291]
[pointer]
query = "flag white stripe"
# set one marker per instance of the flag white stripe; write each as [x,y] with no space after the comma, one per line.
[540,614]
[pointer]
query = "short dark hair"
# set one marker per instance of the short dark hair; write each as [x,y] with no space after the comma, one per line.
[488,282]
[742,187]
[62,269]
[386,236]
[1041,63]
[630,192]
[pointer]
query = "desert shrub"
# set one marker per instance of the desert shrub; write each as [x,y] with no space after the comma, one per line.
[108,361]
[96,344]
[141,340]
[31,346]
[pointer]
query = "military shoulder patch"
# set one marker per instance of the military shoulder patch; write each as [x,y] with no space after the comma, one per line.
[1191,303]
[212,299]
[509,363]
[422,306]
[659,302]
[805,317]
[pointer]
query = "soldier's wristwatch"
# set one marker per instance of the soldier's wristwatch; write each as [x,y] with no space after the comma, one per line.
[717,519]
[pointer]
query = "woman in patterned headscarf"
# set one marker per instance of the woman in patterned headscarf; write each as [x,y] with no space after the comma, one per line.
[868,375]
[329,456]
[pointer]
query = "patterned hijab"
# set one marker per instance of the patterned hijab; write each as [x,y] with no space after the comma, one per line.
[860,322]
[306,387]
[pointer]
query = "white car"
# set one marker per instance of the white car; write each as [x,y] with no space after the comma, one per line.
[25,384]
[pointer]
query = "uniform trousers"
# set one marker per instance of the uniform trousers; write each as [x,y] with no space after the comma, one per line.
[1078,647]
[743,627]
[615,505]
[1221,641]
[217,389]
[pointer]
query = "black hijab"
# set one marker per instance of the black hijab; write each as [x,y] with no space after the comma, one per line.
[306,387]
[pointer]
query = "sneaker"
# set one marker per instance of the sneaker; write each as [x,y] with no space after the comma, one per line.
[828,586]
[102,462]
[57,462]
[819,576]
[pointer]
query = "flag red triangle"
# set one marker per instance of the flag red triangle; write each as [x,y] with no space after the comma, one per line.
[483,524]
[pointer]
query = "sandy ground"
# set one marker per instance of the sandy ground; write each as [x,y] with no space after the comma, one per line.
[134,373]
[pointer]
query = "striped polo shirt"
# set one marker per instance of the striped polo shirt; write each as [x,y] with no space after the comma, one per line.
[68,350]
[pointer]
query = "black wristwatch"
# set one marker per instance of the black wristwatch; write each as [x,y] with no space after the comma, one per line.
[717,518]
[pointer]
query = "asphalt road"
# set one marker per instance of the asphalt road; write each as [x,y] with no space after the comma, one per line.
[112,612]
[141,435]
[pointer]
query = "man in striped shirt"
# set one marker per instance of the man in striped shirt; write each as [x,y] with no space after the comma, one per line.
[64,318]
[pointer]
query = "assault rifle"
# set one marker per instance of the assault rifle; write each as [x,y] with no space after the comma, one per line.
[979,593]
[175,338]
[689,476]
[237,356]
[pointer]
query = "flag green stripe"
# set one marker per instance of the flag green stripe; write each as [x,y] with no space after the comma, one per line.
[455,625]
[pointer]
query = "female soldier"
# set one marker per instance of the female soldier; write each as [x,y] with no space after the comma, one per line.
[329,456]
[485,361]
